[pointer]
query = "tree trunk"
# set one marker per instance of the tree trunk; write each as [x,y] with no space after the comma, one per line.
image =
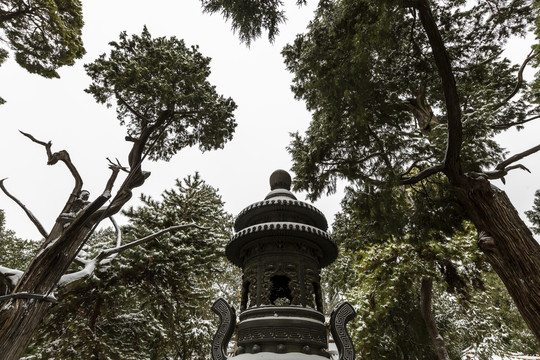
[21,317]
[425,308]
[508,244]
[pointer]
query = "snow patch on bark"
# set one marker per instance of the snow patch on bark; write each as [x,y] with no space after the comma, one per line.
[12,274]
[88,269]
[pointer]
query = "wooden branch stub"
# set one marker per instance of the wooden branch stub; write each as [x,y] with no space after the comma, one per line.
[517,157]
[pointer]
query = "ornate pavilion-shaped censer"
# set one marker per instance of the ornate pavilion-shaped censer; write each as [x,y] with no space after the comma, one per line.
[281,245]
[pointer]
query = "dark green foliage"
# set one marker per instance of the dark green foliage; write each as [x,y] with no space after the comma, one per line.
[44,34]
[250,17]
[382,280]
[162,94]
[154,301]
[534,214]
[365,70]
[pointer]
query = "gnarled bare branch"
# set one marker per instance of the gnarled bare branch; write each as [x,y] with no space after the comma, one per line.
[519,83]
[515,123]
[63,156]
[517,157]
[497,174]
[502,169]
[116,168]
[31,216]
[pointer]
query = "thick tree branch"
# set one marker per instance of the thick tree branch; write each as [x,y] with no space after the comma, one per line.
[453,110]
[502,169]
[80,221]
[497,174]
[63,156]
[31,216]
[432,170]
[136,176]
[105,256]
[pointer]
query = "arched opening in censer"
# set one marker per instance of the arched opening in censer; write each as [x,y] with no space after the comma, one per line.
[280,293]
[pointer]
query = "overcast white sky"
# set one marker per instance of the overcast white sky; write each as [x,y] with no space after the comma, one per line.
[60,111]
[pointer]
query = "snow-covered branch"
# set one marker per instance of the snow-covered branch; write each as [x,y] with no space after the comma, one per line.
[11,275]
[106,253]
[106,256]
[31,216]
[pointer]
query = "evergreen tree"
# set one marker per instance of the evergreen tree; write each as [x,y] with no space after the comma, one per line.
[413,92]
[153,301]
[410,93]
[164,99]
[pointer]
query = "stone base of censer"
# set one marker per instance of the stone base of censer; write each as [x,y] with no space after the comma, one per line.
[282,330]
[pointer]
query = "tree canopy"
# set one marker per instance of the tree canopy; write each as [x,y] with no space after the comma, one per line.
[379,111]
[250,18]
[161,92]
[164,99]
[407,97]
[44,34]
